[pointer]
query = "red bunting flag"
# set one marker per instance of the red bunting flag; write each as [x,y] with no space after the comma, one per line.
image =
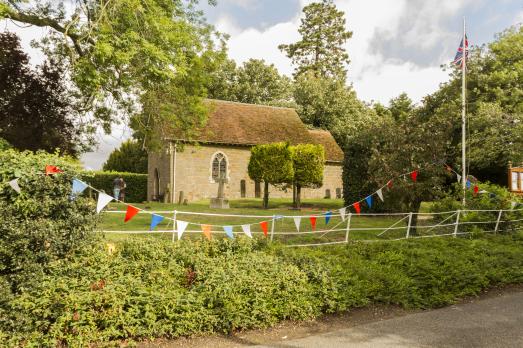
[414,175]
[313,222]
[52,170]
[264,225]
[130,213]
[357,207]
[206,229]
[389,184]
[476,190]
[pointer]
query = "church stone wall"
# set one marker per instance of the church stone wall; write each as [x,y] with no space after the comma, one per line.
[194,178]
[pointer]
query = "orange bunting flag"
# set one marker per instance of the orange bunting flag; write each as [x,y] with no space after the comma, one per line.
[52,170]
[313,222]
[264,225]
[414,175]
[389,184]
[476,190]
[206,229]
[130,213]
[357,207]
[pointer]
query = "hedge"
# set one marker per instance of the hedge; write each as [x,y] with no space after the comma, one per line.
[135,192]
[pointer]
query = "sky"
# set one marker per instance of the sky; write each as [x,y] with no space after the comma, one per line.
[397,45]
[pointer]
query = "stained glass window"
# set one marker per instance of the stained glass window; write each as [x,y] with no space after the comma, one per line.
[219,166]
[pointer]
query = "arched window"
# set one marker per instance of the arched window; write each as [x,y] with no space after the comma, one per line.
[219,166]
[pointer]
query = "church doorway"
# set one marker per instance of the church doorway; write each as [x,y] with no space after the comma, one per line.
[242,188]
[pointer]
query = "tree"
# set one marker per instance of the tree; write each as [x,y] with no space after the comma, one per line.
[401,107]
[37,112]
[308,161]
[125,56]
[323,36]
[270,164]
[130,157]
[254,82]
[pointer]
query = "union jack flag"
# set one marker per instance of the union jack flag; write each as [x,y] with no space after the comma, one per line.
[458,59]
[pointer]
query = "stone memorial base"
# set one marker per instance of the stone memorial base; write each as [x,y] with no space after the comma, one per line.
[219,203]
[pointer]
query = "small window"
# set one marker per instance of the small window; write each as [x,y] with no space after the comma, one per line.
[327,193]
[242,188]
[219,166]
[338,192]
[257,189]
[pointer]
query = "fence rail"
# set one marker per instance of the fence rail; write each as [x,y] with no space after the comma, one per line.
[368,227]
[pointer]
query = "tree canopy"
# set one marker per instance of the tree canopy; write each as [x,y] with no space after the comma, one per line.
[308,161]
[321,47]
[37,112]
[129,157]
[127,56]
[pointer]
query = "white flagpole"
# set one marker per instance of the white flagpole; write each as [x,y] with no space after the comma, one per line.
[463,110]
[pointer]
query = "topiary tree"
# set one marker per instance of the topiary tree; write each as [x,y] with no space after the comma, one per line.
[41,223]
[271,164]
[308,162]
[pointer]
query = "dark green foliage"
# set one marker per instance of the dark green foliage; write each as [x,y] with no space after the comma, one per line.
[155,288]
[130,157]
[136,190]
[41,224]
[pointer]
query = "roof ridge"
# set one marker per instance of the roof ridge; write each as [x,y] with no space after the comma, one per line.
[252,104]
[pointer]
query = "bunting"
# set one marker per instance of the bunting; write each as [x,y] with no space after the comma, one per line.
[247,230]
[130,213]
[206,229]
[380,194]
[357,207]
[414,175]
[155,220]
[52,170]
[228,231]
[368,199]
[181,226]
[264,226]
[343,211]
[297,221]
[328,216]
[103,200]
[476,190]
[14,185]
[78,188]
[389,184]
[468,184]
[458,177]
[313,222]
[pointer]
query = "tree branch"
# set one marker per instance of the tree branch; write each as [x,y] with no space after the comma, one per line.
[47,22]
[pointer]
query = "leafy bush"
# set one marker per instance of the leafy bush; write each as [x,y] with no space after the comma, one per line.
[494,199]
[136,190]
[155,288]
[40,224]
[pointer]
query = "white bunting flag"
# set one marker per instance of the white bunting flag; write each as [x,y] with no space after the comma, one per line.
[180,227]
[343,211]
[380,194]
[103,200]
[247,230]
[513,205]
[459,177]
[14,185]
[297,221]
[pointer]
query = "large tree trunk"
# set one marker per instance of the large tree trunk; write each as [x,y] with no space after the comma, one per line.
[266,195]
[414,223]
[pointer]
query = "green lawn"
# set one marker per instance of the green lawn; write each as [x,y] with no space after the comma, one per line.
[362,227]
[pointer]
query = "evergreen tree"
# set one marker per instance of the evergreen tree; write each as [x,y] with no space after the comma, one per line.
[130,157]
[323,35]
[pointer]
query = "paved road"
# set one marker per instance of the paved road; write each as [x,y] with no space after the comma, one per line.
[492,322]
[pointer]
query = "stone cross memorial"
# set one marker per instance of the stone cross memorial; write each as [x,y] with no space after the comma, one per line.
[220,202]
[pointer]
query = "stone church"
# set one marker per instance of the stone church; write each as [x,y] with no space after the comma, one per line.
[222,149]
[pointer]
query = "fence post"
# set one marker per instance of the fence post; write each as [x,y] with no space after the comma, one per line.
[174,224]
[456,224]
[272,226]
[348,228]
[497,222]
[408,226]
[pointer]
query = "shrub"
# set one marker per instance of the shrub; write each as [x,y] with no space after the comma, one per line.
[40,224]
[136,190]
[496,198]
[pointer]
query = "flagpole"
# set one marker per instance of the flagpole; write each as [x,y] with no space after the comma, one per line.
[463,116]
